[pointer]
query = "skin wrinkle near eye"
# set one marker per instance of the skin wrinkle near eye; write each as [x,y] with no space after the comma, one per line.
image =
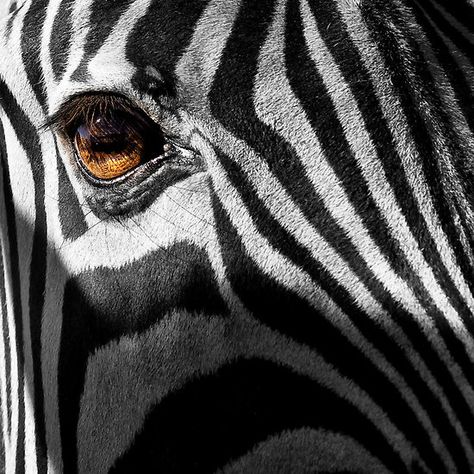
[136,191]
[133,193]
[129,201]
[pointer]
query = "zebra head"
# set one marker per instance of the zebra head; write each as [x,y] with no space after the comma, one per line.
[237,236]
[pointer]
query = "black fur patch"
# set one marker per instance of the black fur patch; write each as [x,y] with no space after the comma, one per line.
[105,304]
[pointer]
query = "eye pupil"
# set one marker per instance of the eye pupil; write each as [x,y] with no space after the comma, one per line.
[112,143]
[108,146]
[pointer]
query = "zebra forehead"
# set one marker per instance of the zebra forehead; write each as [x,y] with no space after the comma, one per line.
[157,31]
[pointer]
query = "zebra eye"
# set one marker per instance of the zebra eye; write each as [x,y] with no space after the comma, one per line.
[114,142]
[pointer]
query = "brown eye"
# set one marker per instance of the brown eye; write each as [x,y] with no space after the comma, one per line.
[114,142]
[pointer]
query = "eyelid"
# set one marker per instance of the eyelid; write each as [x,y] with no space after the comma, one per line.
[82,107]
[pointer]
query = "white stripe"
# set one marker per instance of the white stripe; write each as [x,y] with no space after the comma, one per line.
[30,438]
[111,58]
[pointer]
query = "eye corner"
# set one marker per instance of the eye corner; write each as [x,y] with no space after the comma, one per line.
[52,123]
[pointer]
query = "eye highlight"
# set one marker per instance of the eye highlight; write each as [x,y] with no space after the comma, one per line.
[111,137]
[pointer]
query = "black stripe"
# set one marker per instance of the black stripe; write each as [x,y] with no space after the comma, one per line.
[160,37]
[13,12]
[60,40]
[3,298]
[28,138]
[307,83]
[218,418]
[464,102]
[31,47]
[71,214]
[414,67]
[77,341]
[460,153]
[6,344]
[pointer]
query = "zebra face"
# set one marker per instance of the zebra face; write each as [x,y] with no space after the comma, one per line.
[236,235]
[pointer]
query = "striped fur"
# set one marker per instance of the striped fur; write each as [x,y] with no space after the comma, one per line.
[301,299]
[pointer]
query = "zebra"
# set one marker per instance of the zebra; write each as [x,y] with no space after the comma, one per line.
[237,236]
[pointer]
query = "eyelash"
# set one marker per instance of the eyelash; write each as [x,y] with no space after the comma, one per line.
[81,109]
